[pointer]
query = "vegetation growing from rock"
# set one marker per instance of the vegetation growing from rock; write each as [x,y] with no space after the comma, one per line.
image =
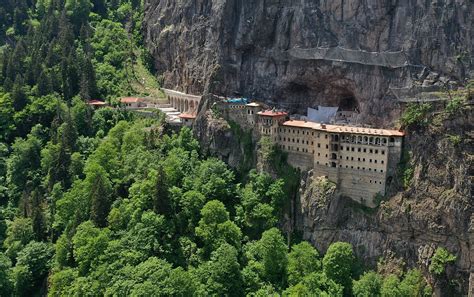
[440,259]
[100,202]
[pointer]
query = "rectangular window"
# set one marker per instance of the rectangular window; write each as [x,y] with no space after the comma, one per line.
[365,150]
[358,149]
[383,152]
[376,151]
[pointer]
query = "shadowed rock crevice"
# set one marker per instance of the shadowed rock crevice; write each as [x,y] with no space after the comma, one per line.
[299,54]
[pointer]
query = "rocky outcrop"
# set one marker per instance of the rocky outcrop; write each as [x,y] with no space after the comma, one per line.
[351,53]
[217,138]
[296,54]
[435,211]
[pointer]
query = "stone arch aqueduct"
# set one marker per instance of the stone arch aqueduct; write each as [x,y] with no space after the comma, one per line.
[184,103]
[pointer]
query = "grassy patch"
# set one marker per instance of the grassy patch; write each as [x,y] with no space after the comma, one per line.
[143,82]
[290,175]
[406,169]
[455,139]
[416,114]
[246,142]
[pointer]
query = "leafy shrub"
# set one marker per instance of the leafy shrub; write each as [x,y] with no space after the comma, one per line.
[455,139]
[416,114]
[440,259]
[454,106]
[406,169]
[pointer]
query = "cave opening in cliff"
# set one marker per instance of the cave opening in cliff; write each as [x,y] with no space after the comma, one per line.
[348,102]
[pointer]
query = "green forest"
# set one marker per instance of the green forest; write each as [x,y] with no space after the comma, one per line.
[105,202]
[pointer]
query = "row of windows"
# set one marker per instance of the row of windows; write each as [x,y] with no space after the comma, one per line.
[364,160]
[296,141]
[297,149]
[366,140]
[333,164]
[353,149]
[375,182]
[359,149]
[236,106]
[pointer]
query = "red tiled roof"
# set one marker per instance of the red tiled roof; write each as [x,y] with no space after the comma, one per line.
[131,100]
[187,116]
[96,102]
[271,113]
[343,129]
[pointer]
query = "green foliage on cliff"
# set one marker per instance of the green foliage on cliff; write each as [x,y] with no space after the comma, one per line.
[99,202]
[440,259]
[416,114]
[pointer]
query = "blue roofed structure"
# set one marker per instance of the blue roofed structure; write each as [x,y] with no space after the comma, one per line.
[237,101]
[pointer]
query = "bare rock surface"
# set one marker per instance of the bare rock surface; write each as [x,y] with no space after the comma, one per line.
[435,211]
[301,53]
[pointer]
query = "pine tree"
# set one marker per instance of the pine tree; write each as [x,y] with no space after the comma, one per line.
[37,216]
[161,203]
[99,190]
[88,84]
[44,83]
[18,94]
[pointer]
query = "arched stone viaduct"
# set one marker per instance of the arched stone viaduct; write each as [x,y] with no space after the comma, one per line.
[184,103]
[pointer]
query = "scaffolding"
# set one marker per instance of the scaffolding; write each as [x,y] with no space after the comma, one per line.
[339,54]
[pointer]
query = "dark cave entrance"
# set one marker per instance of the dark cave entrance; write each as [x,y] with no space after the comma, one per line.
[348,102]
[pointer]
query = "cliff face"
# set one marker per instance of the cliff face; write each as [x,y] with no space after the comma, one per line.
[346,52]
[352,53]
[436,210]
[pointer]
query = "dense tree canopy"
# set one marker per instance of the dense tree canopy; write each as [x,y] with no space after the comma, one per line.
[108,202]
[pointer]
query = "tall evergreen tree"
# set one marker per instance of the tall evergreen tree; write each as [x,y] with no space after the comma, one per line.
[44,83]
[18,96]
[99,190]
